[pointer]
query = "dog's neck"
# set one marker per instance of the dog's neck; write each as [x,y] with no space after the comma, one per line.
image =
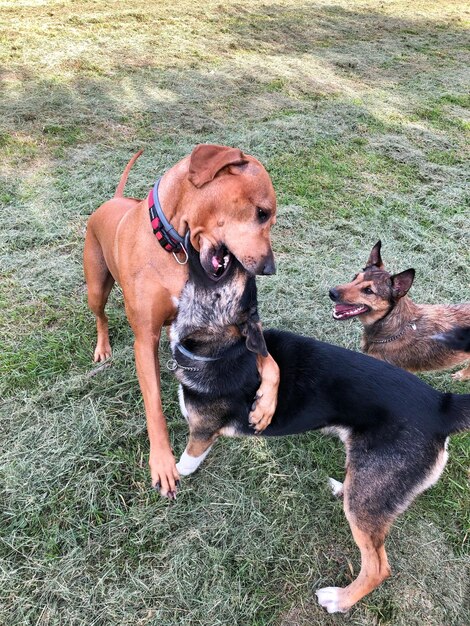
[207,320]
[402,313]
[170,192]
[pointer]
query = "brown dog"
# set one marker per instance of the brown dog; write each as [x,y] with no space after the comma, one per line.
[226,201]
[395,328]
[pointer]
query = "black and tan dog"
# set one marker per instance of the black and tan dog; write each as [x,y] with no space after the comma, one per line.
[396,329]
[394,426]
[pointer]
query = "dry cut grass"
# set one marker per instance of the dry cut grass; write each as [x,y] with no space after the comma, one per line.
[360,112]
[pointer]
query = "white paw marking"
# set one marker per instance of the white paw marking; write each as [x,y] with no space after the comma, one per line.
[184,468]
[328,598]
[189,464]
[336,487]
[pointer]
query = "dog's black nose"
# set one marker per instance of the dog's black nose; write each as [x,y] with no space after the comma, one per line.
[269,267]
[334,294]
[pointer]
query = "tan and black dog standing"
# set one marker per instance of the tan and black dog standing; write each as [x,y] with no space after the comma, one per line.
[394,426]
[227,200]
[396,329]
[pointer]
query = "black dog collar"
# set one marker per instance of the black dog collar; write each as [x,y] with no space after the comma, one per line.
[167,236]
[195,357]
[172,364]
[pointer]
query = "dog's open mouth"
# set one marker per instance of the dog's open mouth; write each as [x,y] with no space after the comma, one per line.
[220,260]
[343,311]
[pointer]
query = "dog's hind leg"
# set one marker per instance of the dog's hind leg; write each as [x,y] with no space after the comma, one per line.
[462,374]
[195,453]
[369,537]
[374,570]
[99,284]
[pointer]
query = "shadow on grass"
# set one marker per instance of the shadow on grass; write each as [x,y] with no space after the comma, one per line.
[255,529]
[322,52]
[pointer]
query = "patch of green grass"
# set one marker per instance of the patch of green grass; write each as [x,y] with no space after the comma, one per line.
[461,100]
[67,135]
[334,179]
[445,157]
[437,114]
[359,112]
[277,84]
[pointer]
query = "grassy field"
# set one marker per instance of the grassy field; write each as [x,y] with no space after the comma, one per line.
[360,111]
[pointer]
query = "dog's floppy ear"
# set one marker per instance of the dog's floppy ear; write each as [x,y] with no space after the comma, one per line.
[374,256]
[251,329]
[208,159]
[402,282]
[255,339]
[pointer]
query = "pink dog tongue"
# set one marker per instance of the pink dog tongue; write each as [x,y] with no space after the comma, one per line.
[343,311]
[215,263]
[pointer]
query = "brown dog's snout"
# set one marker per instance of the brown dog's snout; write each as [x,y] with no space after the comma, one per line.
[334,294]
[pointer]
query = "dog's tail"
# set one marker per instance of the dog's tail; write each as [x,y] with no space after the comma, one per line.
[122,183]
[458,338]
[458,405]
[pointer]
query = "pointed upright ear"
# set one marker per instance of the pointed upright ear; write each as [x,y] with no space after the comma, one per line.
[402,282]
[374,256]
[207,160]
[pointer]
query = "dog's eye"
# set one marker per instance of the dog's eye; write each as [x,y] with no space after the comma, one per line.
[263,215]
[368,291]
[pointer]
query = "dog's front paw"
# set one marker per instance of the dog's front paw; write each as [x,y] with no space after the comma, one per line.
[184,468]
[261,412]
[330,599]
[265,401]
[164,473]
[170,494]
[188,464]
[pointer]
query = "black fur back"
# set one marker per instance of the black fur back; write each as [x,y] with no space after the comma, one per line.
[457,339]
